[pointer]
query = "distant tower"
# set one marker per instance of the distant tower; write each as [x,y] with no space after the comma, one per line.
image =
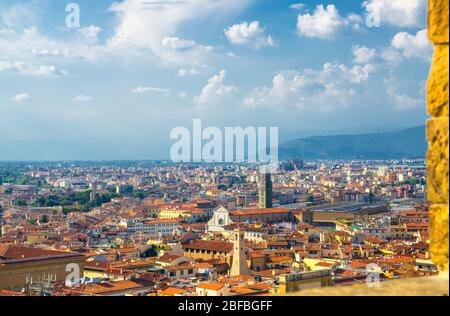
[239,264]
[92,196]
[265,191]
[118,189]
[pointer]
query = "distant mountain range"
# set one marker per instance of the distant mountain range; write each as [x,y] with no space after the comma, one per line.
[408,143]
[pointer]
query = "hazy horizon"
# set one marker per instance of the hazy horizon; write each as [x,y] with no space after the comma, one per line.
[68,150]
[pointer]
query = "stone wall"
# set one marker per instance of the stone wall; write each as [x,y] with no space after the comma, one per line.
[437,132]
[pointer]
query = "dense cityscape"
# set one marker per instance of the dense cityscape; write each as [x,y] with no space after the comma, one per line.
[154,228]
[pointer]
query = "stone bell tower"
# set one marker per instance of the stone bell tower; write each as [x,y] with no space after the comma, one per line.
[239,264]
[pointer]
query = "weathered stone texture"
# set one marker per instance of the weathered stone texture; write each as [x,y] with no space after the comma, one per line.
[437,160]
[437,94]
[437,156]
[439,235]
[438,21]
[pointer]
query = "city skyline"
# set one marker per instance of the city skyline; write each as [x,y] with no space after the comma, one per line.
[128,75]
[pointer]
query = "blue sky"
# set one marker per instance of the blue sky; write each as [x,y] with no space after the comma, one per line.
[116,86]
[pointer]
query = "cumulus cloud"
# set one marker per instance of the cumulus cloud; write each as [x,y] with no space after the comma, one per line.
[214,89]
[82,98]
[21,97]
[151,89]
[175,50]
[153,25]
[403,46]
[402,13]
[363,54]
[413,46]
[326,88]
[249,33]
[326,23]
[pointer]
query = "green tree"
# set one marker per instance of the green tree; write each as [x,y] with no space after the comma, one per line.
[150,252]
[44,219]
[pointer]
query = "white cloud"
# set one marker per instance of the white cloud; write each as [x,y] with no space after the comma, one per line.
[214,89]
[176,43]
[29,46]
[324,89]
[150,25]
[6,32]
[297,6]
[405,102]
[363,54]
[391,56]
[326,23]
[187,72]
[175,50]
[356,74]
[82,98]
[232,55]
[402,101]
[30,69]
[403,46]
[90,32]
[403,13]
[413,46]
[21,97]
[151,89]
[249,33]
[19,14]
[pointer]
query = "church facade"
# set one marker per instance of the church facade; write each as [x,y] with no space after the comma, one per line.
[220,219]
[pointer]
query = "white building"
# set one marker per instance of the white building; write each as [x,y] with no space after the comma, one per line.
[220,219]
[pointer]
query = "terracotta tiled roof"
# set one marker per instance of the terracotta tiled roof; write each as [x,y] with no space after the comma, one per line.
[167,258]
[259,211]
[109,287]
[12,252]
[170,291]
[214,286]
[210,245]
[277,259]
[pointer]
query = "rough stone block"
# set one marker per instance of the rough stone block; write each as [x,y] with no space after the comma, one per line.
[437,160]
[437,87]
[438,21]
[439,235]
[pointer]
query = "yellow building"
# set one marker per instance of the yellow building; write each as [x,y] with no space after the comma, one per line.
[295,282]
[174,213]
[206,250]
[35,238]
